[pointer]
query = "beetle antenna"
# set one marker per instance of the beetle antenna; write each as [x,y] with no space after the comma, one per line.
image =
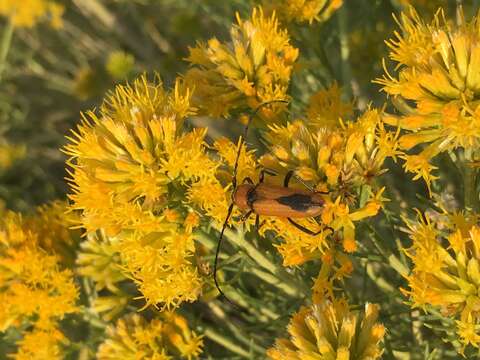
[245,133]
[230,208]
[217,253]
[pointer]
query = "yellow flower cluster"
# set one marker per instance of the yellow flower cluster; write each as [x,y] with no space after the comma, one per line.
[10,153]
[26,13]
[330,330]
[436,88]
[304,10]
[36,292]
[254,68]
[99,260]
[132,167]
[344,160]
[446,274]
[167,338]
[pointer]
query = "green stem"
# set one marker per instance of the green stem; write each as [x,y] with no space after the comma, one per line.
[345,49]
[392,260]
[264,262]
[225,342]
[469,182]
[5,46]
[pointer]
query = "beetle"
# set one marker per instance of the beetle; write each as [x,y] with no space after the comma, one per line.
[269,200]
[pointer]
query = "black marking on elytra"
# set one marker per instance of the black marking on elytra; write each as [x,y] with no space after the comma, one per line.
[298,202]
[251,197]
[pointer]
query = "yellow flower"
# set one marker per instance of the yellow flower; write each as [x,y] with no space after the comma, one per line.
[41,344]
[326,108]
[98,259]
[329,330]
[10,153]
[335,267]
[166,338]
[255,67]
[436,74]
[133,166]
[446,273]
[304,10]
[26,13]
[345,159]
[36,291]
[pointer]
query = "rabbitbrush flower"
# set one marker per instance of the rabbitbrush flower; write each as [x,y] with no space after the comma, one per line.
[435,86]
[132,165]
[446,269]
[330,330]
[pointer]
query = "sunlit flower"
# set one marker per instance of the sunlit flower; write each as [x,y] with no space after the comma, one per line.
[163,339]
[99,260]
[446,273]
[41,344]
[304,10]
[133,166]
[254,68]
[329,330]
[26,13]
[435,87]
[340,160]
[336,265]
[326,107]
[36,291]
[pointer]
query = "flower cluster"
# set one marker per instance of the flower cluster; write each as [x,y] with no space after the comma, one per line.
[27,13]
[10,153]
[446,273]
[166,338]
[132,167]
[342,160]
[304,10]
[436,88]
[254,68]
[36,291]
[330,330]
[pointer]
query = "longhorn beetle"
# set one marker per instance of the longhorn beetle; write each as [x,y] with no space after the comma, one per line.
[269,200]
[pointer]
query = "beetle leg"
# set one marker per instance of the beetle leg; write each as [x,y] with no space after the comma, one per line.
[263,172]
[324,226]
[246,216]
[287,179]
[248,180]
[257,222]
[304,229]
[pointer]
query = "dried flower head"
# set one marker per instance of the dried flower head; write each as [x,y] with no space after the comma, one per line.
[435,87]
[254,68]
[163,339]
[446,269]
[329,330]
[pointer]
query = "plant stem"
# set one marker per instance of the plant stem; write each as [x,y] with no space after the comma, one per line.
[264,262]
[225,342]
[345,49]
[469,182]
[5,46]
